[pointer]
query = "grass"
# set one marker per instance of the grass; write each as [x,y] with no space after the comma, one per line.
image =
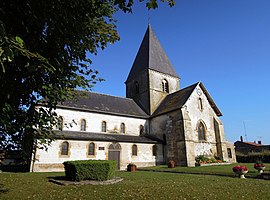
[218,169]
[138,185]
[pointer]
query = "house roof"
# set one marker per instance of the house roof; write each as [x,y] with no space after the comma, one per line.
[101,103]
[251,143]
[151,55]
[177,99]
[79,135]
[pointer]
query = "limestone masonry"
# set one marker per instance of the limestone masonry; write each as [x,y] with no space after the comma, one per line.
[157,122]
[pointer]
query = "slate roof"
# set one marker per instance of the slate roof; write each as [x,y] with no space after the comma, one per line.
[177,99]
[79,135]
[151,55]
[101,103]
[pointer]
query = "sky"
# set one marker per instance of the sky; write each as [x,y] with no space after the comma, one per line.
[225,44]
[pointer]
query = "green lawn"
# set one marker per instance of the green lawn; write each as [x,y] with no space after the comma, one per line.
[218,169]
[138,185]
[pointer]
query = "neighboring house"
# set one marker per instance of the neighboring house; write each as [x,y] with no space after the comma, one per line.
[157,122]
[247,147]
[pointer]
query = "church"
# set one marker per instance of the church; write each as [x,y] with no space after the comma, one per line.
[156,122]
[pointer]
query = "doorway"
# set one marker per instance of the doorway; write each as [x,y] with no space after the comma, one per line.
[114,154]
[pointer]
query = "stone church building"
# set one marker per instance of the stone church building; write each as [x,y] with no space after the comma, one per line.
[155,123]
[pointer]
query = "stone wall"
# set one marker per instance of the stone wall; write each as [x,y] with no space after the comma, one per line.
[155,87]
[180,128]
[51,160]
[169,127]
[214,143]
[150,92]
[142,96]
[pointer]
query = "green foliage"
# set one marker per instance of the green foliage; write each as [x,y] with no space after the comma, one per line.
[204,159]
[201,158]
[90,169]
[258,162]
[254,157]
[44,48]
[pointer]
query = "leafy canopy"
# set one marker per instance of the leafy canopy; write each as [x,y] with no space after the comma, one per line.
[43,48]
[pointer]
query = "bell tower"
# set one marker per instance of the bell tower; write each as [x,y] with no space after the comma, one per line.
[152,76]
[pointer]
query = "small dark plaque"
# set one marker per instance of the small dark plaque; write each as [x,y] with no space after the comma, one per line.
[101,148]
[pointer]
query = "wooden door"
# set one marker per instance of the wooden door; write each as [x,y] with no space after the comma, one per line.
[114,154]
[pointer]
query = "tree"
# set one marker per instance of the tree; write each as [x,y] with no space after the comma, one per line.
[43,46]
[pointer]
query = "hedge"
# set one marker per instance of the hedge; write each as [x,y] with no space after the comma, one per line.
[253,158]
[90,170]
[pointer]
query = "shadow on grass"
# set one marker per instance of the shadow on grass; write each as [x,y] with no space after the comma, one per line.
[174,170]
[2,189]
[60,178]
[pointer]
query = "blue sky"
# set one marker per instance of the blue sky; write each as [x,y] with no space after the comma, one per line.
[225,44]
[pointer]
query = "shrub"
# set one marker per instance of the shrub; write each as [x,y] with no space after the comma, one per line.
[254,157]
[201,158]
[205,159]
[90,170]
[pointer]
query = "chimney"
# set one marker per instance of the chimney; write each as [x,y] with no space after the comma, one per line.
[259,142]
[241,138]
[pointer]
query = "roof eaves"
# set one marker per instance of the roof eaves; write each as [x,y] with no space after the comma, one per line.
[175,76]
[103,112]
[74,135]
[211,101]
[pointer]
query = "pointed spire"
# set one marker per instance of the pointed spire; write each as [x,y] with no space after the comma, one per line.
[151,55]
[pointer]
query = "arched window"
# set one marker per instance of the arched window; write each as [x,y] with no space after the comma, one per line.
[60,123]
[122,128]
[91,149]
[154,150]
[64,148]
[103,126]
[83,125]
[200,104]
[165,86]
[201,131]
[117,146]
[141,129]
[134,150]
[137,89]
